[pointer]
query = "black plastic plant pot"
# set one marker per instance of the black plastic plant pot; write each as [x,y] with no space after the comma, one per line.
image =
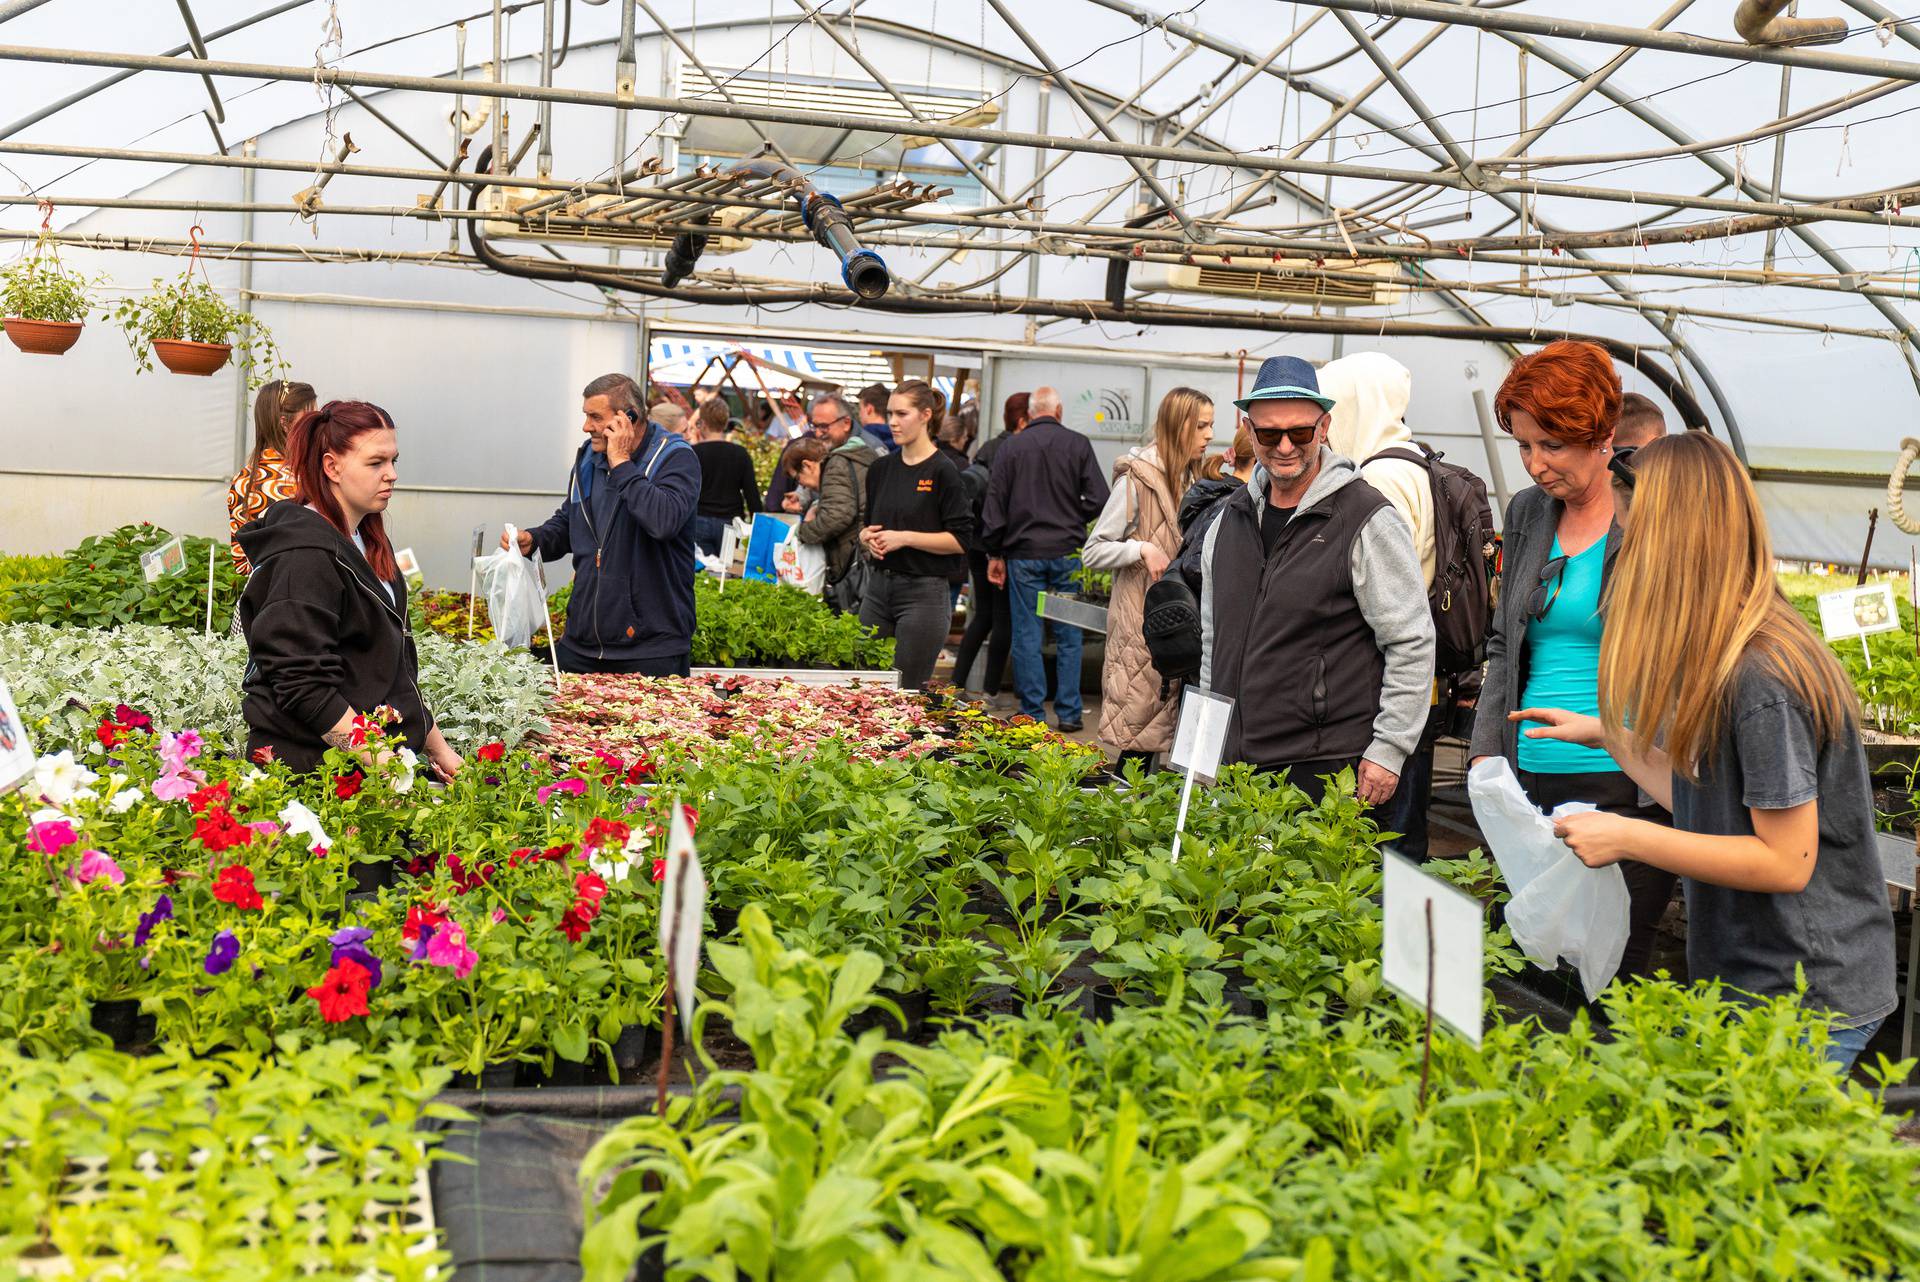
[115,1019]
[638,1044]
[726,921]
[494,1077]
[563,1073]
[915,1006]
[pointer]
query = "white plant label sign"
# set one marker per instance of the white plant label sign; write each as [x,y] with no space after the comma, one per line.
[683,899]
[408,563]
[16,750]
[1858,612]
[1452,933]
[169,558]
[1202,736]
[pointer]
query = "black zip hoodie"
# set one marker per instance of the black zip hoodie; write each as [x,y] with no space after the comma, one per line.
[324,637]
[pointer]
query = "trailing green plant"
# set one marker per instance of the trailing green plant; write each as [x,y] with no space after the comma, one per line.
[17,572]
[193,310]
[775,625]
[39,287]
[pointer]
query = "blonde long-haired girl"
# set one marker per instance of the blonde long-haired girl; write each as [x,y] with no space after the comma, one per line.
[1721,702]
[1137,537]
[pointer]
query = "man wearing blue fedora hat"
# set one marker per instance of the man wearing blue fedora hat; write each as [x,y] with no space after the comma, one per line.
[1313,608]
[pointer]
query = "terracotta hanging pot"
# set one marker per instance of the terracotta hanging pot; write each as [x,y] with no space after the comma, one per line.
[183,356]
[42,338]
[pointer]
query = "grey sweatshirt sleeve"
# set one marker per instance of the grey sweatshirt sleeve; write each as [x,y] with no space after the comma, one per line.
[1107,546]
[1392,594]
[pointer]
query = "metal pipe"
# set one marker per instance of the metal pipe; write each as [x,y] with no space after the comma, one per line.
[240,416]
[1039,183]
[686,105]
[1759,23]
[1462,159]
[544,161]
[1779,160]
[499,148]
[1490,440]
[199,48]
[1519,22]
[18,7]
[388,121]
[798,116]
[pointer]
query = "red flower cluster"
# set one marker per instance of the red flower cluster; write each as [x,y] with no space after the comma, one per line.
[659,870]
[615,769]
[345,786]
[604,833]
[214,794]
[491,753]
[464,878]
[551,855]
[234,886]
[263,754]
[589,889]
[218,830]
[422,865]
[343,993]
[114,729]
[419,915]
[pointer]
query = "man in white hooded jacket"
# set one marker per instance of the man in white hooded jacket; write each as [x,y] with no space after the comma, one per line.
[1370,392]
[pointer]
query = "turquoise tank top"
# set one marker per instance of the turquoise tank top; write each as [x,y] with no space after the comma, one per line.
[1563,665]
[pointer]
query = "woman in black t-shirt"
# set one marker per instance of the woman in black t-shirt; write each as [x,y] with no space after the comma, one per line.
[919,521]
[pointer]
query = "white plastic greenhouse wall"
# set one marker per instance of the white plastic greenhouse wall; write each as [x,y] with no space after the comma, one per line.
[482,373]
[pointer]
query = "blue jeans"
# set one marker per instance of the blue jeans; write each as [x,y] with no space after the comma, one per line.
[707,531]
[1026,580]
[1845,1044]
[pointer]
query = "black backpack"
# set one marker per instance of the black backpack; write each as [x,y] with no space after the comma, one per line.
[1171,628]
[1465,560]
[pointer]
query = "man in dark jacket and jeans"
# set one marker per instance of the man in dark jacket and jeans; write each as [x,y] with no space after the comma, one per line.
[1045,488]
[628,524]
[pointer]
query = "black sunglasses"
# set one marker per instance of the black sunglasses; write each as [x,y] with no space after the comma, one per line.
[1300,436]
[1550,573]
[1621,464]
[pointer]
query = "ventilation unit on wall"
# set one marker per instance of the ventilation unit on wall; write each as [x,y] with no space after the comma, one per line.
[1290,280]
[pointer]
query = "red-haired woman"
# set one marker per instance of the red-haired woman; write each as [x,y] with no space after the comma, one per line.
[1560,405]
[325,611]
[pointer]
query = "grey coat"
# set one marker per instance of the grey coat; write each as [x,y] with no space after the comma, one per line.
[1527,540]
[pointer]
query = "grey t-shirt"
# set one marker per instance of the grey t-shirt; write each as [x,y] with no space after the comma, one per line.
[1839,928]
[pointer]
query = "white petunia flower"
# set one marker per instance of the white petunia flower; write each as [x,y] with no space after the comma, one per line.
[60,778]
[125,801]
[409,760]
[302,822]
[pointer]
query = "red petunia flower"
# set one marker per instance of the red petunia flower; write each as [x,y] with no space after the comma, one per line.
[419,915]
[263,754]
[590,887]
[235,886]
[659,870]
[345,786]
[218,830]
[464,878]
[574,924]
[343,993]
[602,833]
[491,752]
[640,771]
[558,854]
[212,794]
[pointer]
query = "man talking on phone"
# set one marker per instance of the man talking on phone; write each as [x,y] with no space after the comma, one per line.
[627,522]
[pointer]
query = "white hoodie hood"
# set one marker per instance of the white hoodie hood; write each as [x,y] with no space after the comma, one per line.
[1370,392]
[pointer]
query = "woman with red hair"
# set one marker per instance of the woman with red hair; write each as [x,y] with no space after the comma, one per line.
[1560,405]
[325,611]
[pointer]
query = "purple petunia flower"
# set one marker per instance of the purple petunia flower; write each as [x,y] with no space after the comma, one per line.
[419,952]
[350,944]
[220,957]
[162,911]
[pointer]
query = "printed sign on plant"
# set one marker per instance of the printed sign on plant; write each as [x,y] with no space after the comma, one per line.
[16,750]
[169,558]
[1858,612]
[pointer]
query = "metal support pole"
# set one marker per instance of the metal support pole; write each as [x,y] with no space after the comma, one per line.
[500,80]
[544,160]
[241,417]
[1462,159]
[388,121]
[1779,153]
[1039,184]
[1489,438]
[691,106]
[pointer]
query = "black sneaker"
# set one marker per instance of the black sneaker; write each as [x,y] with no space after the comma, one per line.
[1071,727]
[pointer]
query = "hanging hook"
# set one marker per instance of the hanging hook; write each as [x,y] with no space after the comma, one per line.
[46,215]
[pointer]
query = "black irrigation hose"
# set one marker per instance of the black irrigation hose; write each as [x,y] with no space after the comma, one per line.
[1089,310]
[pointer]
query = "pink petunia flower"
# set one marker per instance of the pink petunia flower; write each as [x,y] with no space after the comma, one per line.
[577,787]
[51,836]
[96,865]
[178,785]
[448,947]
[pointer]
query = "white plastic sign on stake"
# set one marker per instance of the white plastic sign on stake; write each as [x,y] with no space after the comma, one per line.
[212,549]
[16,750]
[408,565]
[553,642]
[473,574]
[1859,612]
[169,558]
[729,540]
[1197,747]
[1433,945]
[683,906]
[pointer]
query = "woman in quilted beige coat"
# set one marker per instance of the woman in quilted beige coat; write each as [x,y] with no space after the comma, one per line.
[1136,537]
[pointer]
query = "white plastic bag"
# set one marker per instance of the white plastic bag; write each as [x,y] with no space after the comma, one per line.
[513,594]
[1560,907]
[804,565]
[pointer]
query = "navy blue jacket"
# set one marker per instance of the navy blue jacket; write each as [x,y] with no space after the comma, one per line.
[630,533]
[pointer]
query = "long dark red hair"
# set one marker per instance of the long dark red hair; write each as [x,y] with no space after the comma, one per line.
[332,429]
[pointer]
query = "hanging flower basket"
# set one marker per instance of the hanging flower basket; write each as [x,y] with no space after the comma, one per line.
[42,337]
[44,304]
[184,356]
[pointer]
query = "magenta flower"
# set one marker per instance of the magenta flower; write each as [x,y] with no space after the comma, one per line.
[51,836]
[448,947]
[96,865]
[176,750]
[265,827]
[576,787]
[220,957]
